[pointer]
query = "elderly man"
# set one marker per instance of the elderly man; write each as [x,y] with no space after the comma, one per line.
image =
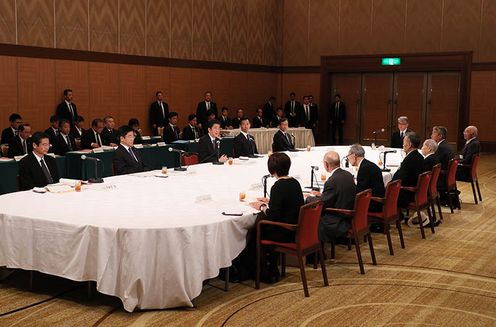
[428,150]
[20,144]
[471,148]
[339,192]
[397,137]
[444,155]
[282,141]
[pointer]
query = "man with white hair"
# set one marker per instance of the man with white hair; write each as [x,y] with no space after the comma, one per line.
[397,137]
[471,148]
[429,149]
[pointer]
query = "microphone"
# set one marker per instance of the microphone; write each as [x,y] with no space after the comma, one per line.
[346,162]
[266,176]
[315,167]
[85,157]
[378,131]
[217,153]
[177,150]
[389,151]
[96,179]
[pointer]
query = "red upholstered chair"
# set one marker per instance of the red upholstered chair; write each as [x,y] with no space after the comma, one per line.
[421,201]
[389,212]
[433,193]
[359,225]
[190,159]
[451,181]
[307,242]
[473,176]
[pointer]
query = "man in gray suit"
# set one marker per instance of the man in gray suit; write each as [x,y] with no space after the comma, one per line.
[339,192]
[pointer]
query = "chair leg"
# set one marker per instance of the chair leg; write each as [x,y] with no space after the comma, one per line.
[349,244]
[372,252]
[387,229]
[322,244]
[283,264]
[431,219]
[257,277]
[450,202]
[303,275]
[359,256]
[400,233]
[433,209]
[322,267]
[420,223]
[315,262]
[333,250]
[438,202]
[478,189]
[473,191]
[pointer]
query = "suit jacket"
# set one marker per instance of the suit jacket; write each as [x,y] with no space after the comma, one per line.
[88,138]
[124,163]
[171,134]
[60,145]
[244,147]
[281,142]
[430,161]
[7,135]
[51,134]
[259,122]
[298,118]
[189,134]
[269,114]
[225,122]
[137,138]
[236,122]
[76,134]
[30,172]
[469,150]
[206,150]
[397,140]
[15,147]
[370,176]
[109,136]
[411,167]
[444,154]
[156,116]
[63,112]
[341,116]
[201,113]
[313,116]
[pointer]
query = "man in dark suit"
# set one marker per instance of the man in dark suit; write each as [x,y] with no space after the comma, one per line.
[293,111]
[78,130]
[471,148]
[64,141]
[171,131]
[159,112]
[127,159]
[428,150]
[259,121]
[283,141]
[209,144]
[202,110]
[135,125]
[21,143]
[37,169]
[339,192]
[337,115]
[225,122]
[244,143]
[269,112]
[53,130]
[397,137]
[444,155]
[310,114]
[236,121]
[191,132]
[92,138]
[109,134]
[67,109]
[369,175]
[13,130]
[411,167]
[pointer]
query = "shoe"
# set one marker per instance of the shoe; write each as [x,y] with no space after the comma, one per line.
[425,220]
[437,223]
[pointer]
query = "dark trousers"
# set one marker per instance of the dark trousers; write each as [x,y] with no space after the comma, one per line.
[339,129]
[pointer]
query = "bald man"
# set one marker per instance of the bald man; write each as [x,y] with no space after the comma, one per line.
[339,192]
[471,148]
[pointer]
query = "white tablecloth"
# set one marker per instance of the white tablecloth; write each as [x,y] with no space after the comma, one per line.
[264,136]
[148,240]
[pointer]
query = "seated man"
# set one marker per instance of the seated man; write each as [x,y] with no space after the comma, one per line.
[429,149]
[78,130]
[244,144]
[21,144]
[444,155]
[397,137]
[278,117]
[471,148]
[109,135]
[53,130]
[225,122]
[91,138]
[37,169]
[236,121]
[339,192]
[13,130]
[209,144]
[282,141]
[171,131]
[191,132]
[127,159]
[259,121]
[64,142]
[369,175]
[135,125]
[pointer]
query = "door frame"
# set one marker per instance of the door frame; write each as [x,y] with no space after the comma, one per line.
[423,62]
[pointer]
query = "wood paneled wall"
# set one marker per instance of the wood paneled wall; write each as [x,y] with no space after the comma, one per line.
[248,31]
[315,28]
[33,87]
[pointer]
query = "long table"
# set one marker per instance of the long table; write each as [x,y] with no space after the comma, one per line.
[149,240]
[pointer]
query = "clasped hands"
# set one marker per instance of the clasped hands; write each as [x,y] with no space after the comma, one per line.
[257,204]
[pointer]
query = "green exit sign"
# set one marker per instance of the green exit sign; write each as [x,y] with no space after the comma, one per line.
[391,61]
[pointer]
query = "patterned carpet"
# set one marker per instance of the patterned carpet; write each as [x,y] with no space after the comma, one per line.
[449,279]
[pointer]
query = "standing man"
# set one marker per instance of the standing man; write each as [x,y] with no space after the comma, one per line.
[337,114]
[282,141]
[269,111]
[64,141]
[203,108]
[159,112]
[397,137]
[21,144]
[109,134]
[92,138]
[191,132]
[67,109]
[209,144]
[293,111]
[310,114]
[37,169]
[171,131]
[244,143]
[127,159]
[13,130]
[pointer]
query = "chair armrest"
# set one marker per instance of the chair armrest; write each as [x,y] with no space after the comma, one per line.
[409,188]
[341,211]
[377,199]
[275,223]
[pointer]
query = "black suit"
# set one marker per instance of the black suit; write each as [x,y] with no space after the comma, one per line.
[337,116]
[109,136]
[206,149]
[310,118]
[7,135]
[269,114]
[294,113]
[60,145]
[444,155]
[52,134]
[225,122]
[89,138]
[171,134]
[202,113]
[244,147]
[76,134]
[430,161]
[258,122]
[30,172]
[411,167]
[189,134]
[63,112]
[125,163]
[397,139]
[282,142]
[236,122]
[469,150]
[158,116]
[16,148]
[370,177]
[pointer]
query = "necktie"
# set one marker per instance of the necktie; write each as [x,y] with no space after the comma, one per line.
[71,110]
[337,110]
[215,146]
[24,148]
[97,136]
[56,132]
[132,154]
[162,107]
[46,172]
[287,137]
[16,132]
[175,132]
[402,134]
[69,145]
[292,107]
[307,114]
[195,132]
[208,106]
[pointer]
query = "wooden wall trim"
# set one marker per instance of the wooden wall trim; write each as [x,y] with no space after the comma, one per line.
[484,66]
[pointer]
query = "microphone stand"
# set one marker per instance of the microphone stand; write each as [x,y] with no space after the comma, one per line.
[384,162]
[96,179]
[312,176]
[217,152]
[180,168]
[264,182]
